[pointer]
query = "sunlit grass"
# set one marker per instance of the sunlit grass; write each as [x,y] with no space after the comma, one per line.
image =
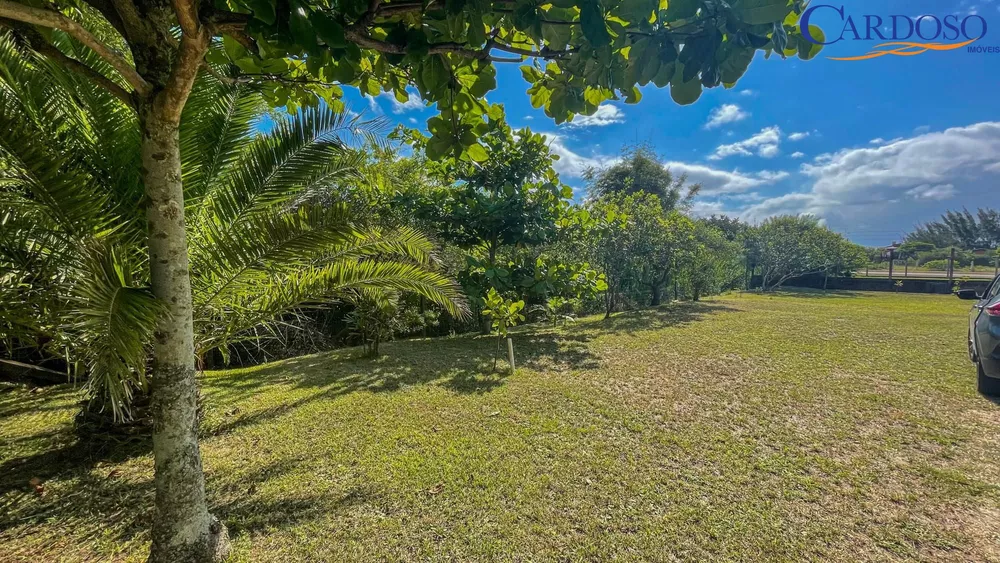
[842,426]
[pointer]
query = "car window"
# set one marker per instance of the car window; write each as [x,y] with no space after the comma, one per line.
[994,289]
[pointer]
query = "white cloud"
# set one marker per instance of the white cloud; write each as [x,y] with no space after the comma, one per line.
[529,117]
[413,102]
[893,186]
[717,182]
[572,164]
[747,92]
[700,208]
[937,193]
[798,136]
[413,120]
[606,114]
[769,151]
[765,144]
[714,182]
[798,154]
[877,141]
[727,113]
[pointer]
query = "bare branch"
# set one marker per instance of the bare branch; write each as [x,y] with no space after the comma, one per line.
[136,28]
[187,17]
[53,19]
[356,34]
[190,56]
[396,8]
[259,78]
[108,11]
[552,54]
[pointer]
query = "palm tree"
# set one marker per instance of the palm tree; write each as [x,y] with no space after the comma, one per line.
[72,241]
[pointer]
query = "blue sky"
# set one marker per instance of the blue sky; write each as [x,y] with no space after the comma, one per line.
[873,147]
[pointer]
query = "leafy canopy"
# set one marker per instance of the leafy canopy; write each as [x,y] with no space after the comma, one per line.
[789,246]
[581,52]
[640,171]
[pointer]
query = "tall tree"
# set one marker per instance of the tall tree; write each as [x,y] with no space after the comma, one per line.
[512,198]
[962,229]
[791,246]
[638,245]
[640,171]
[713,262]
[303,50]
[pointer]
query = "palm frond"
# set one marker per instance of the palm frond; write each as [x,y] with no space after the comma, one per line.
[117,319]
[299,152]
[217,125]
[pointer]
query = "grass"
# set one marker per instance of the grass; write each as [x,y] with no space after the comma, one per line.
[840,426]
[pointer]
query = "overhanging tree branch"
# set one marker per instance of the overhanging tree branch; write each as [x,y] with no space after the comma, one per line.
[51,52]
[56,20]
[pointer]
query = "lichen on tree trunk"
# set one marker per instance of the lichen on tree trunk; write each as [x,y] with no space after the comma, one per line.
[183,529]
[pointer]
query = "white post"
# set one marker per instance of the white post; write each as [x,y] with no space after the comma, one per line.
[510,354]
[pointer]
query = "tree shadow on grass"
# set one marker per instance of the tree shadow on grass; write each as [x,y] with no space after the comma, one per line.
[91,501]
[462,364]
[247,507]
[808,293]
[93,504]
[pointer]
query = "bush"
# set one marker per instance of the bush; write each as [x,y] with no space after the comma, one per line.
[937,265]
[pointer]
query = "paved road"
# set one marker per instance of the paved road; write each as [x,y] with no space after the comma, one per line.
[898,274]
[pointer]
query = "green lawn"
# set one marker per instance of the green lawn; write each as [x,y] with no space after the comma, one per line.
[747,427]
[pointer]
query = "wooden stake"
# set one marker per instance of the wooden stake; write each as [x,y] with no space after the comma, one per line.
[510,354]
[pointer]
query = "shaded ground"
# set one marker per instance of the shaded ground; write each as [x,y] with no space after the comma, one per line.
[799,426]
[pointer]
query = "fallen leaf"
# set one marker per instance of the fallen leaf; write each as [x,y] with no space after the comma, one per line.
[114,473]
[35,481]
[494,413]
[436,489]
[40,490]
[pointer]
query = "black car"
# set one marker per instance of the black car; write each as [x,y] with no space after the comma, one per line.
[984,335]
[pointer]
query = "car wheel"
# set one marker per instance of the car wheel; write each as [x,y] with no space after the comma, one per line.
[987,385]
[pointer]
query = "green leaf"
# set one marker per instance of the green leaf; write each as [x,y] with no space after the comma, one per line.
[756,12]
[808,50]
[637,11]
[233,48]
[328,29]
[595,28]
[685,92]
[477,153]
[779,38]
[680,9]
[531,74]
[302,30]
[435,76]
[263,10]
[736,63]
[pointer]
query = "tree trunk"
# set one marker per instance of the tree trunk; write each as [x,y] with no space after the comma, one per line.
[657,295]
[183,529]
